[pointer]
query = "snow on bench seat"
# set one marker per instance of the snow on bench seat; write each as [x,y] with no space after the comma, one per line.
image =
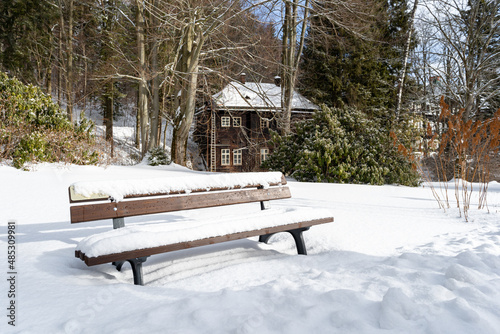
[131,238]
[119,189]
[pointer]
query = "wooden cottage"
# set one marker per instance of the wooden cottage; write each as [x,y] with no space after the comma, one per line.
[233,130]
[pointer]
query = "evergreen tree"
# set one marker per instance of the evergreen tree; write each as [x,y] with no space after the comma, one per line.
[356,69]
[342,145]
[25,38]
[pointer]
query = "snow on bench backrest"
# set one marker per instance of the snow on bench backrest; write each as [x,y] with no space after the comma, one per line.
[119,189]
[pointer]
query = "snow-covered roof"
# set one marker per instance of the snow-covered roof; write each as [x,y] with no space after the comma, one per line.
[258,95]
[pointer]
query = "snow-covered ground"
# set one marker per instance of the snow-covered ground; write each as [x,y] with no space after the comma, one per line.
[392,262]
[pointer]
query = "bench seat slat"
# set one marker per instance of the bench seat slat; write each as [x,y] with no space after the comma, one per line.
[186,230]
[90,212]
[91,261]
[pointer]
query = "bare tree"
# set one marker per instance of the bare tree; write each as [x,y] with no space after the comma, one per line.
[142,103]
[470,59]
[293,45]
[423,57]
[406,56]
[196,22]
[155,82]
[69,66]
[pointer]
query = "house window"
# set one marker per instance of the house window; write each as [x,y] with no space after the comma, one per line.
[264,154]
[264,123]
[237,154]
[225,121]
[225,157]
[236,122]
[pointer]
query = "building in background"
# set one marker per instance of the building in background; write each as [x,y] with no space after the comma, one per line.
[233,130]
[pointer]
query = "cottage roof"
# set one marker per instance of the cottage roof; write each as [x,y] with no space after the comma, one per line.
[258,95]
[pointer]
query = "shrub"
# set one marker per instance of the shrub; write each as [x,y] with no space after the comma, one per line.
[465,152]
[341,145]
[32,147]
[34,129]
[158,156]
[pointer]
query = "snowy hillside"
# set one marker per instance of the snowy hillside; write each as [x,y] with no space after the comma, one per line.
[392,262]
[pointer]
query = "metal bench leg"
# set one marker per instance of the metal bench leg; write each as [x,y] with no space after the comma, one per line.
[136,265]
[137,269]
[297,236]
[118,265]
[265,238]
[299,240]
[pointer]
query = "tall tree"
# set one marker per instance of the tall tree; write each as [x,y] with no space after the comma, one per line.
[25,39]
[155,84]
[197,22]
[291,53]
[354,51]
[469,34]
[142,103]
[190,46]
[108,15]
[69,57]
[406,56]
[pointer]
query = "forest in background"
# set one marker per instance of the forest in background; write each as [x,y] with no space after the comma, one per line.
[392,60]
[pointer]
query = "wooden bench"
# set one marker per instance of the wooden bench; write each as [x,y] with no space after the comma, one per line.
[92,201]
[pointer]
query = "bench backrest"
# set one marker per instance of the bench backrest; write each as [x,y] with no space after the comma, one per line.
[89,209]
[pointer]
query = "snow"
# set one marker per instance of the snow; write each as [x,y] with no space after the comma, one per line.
[392,262]
[155,235]
[118,189]
[258,95]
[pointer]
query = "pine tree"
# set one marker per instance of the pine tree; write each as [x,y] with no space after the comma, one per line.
[342,145]
[356,69]
[25,38]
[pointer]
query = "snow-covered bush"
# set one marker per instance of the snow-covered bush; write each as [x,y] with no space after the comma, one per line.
[34,129]
[158,156]
[342,145]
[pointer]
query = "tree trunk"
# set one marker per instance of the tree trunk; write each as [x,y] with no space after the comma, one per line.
[184,119]
[405,59]
[108,113]
[69,69]
[288,54]
[61,61]
[48,79]
[85,76]
[186,83]
[290,59]
[143,89]
[137,125]
[155,112]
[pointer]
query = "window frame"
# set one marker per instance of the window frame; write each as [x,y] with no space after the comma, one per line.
[238,153]
[264,154]
[234,122]
[225,121]
[264,123]
[225,157]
